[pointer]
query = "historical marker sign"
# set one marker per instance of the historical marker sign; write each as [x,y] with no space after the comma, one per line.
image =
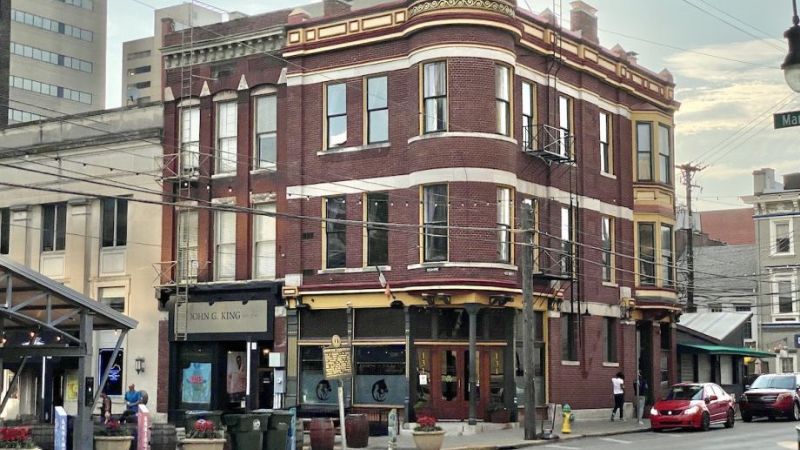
[787,119]
[337,360]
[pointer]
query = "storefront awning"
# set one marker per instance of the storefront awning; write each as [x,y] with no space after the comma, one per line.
[724,350]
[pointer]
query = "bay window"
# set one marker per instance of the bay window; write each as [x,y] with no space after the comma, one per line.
[435,218]
[644,151]
[434,97]
[504,212]
[502,76]
[647,254]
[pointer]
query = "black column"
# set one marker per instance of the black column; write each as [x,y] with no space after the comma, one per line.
[472,310]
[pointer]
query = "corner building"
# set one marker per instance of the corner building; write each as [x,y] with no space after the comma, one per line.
[410,138]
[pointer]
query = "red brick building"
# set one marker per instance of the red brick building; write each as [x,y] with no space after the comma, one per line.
[405,140]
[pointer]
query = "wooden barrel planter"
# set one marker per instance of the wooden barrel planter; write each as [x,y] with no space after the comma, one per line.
[43,434]
[357,428]
[323,435]
[163,437]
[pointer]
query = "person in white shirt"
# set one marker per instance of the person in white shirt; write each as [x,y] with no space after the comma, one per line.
[618,388]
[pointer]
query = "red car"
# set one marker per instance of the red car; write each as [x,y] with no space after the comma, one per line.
[693,405]
[771,396]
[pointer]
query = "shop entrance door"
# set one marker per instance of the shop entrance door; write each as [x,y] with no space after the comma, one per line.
[450,392]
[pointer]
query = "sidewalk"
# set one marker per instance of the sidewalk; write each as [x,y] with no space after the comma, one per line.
[513,438]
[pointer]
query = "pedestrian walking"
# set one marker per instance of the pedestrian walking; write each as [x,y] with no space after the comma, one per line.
[618,388]
[640,388]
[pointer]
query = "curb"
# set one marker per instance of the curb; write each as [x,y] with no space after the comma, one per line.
[570,437]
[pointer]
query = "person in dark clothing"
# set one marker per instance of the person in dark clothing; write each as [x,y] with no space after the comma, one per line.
[618,389]
[640,387]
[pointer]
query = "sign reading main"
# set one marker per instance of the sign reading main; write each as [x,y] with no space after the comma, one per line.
[787,119]
[337,360]
[227,317]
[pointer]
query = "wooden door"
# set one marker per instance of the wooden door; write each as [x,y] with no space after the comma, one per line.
[449,391]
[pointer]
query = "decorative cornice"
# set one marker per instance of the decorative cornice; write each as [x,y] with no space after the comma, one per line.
[497,6]
[223,49]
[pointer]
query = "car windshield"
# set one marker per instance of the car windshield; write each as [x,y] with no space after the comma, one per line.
[685,393]
[763,382]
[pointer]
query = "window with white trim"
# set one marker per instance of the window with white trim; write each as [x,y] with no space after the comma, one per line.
[664,154]
[782,239]
[504,212]
[647,254]
[607,245]
[435,219]
[644,151]
[377,110]
[667,261]
[224,245]
[564,125]
[113,297]
[266,156]
[605,143]
[54,225]
[434,97]
[377,210]
[336,114]
[784,295]
[186,245]
[502,76]
[528,111]
[264,254]
[190,140]
[226,137]
[114,222]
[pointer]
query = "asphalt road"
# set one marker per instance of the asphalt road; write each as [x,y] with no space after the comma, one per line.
[758,435]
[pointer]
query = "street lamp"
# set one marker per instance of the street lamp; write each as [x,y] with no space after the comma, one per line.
[791,65]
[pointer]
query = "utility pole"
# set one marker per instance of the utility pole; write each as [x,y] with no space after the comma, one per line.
[529,323]
[688,171]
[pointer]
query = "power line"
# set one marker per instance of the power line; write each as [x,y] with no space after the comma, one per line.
[722,19]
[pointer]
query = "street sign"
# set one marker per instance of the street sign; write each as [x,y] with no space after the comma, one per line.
[787,119]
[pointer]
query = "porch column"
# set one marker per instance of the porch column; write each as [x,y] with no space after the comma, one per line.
[472,310]
[83,431]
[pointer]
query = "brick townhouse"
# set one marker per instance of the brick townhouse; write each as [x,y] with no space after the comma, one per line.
[443,120]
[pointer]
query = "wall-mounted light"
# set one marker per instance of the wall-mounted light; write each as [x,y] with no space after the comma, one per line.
[139,365]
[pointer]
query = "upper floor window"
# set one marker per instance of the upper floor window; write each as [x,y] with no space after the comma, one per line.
[113,297]
[226,137]
[569,337]
[565,125]
[647,254]
[715,307]
[377,235]
[336,114]
[186,245]
[190,140]
[667,262]
[664,155]
[784,296]
[51,25]
[335,232]
[5,230]
[115,222]
[264,264]
[610,341]
[502,94]
[434,97]
[138,70]
[567,237]
[266,132]
[644,151]
[54,227]
[51,57]
[782,239]
[51,90]
[607,244]
[435,220]
[224,245]
[85,4]
[605,144]
[377,110]
[528,114]
[504,212]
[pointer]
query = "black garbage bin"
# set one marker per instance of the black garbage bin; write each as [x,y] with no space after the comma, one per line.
[278,432]
[193,416]
[246,430]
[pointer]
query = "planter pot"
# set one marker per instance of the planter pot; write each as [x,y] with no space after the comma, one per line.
[203,444]
[112,442]
[428,440]
[500,416]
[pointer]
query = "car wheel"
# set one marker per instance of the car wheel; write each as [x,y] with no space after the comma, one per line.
[705,422]
[747,417]
[795,412]
[731,419]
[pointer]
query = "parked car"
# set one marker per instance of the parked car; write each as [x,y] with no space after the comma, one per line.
[772,395]
[693,405]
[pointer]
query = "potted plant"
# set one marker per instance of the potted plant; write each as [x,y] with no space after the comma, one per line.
[497,412]
[16,437]
[428,436]
[113,436]
[204,436]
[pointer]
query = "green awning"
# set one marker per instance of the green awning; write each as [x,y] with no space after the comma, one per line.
[725,350]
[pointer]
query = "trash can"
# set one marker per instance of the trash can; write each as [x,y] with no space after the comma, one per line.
[246,430]
[278,432]
[193,416]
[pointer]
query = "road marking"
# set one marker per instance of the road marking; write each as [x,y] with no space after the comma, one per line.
[788,444]
[616,441]
[562,446]
[672,435]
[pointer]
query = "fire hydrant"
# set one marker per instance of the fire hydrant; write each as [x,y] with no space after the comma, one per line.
[566,419]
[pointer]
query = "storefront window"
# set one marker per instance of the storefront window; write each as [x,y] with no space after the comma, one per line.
[323,323]
[423,379]
[314,388]
[379,323]
[380,375]
[195,364]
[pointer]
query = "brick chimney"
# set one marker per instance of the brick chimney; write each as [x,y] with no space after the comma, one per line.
[335,7]
[583,19]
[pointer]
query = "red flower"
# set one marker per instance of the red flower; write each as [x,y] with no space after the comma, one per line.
[426,421]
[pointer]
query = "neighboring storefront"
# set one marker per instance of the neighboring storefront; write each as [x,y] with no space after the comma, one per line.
[220,349]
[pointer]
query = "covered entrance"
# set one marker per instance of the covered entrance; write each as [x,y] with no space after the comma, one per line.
[449,387]
[40,319]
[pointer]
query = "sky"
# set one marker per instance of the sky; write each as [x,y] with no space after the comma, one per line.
[725,56]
